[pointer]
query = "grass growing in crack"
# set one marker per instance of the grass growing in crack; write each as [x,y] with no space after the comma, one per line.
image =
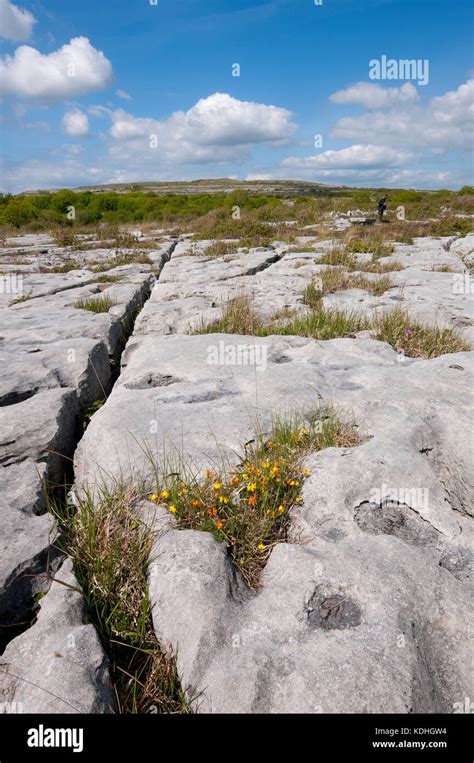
[342,256]
[220,249]
[95,304]
[415,340]
[321,324]
[249,509]
[370,244]
[394,326]
[238,317]
[378,266]
[110,548]
[338,279]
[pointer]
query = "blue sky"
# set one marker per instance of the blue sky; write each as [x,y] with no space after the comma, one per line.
[125,90]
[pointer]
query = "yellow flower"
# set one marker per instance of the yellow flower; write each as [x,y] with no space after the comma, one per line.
[306,472]
[223,499]
[265,464]
[164,494]
[153,497]
[173,509]
[245,476]
[261,547]
[281,509]
[252,487]
[298,499]
[304,431]
[217,485]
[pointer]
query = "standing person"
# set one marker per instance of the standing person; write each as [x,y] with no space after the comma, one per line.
[382,206]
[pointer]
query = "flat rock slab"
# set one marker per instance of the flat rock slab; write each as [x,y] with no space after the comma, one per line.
[58,665]
[368,609]
[56,361]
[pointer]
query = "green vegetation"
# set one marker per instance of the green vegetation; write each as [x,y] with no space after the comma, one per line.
[394,326]
[338,279]
[249,508]
[110,548]
[415,340]
[219,249]
[95,304]
[109,208]
[240,317]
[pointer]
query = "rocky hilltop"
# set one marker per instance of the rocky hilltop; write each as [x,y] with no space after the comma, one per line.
[172,352]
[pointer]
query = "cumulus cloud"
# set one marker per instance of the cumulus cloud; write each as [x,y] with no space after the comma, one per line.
[15,23]
[46,173]
[75,69]
[374,96]
[353,157]
[216,128]
[445,122]
[75,123]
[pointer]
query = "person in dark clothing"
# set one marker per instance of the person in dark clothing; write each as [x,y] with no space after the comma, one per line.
[382,206]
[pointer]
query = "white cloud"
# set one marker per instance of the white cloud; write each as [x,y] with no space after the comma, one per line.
[445,122]
[45,173]
[216,128]
[353,157]
[15,23]
[375,96]
[75,123]
[73,70]
[123,95]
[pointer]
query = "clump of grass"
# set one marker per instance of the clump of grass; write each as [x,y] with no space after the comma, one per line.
[321,324]
[378,266]
[249,509]
[238,317]
[110,549]
[220,249]
[107,279]
[373,244]
[415,340]
[338,279]
[339,256]
[375,286]
[65,238]
[442,269]
[313,293]
[65,267]
[95,304]
[219,224]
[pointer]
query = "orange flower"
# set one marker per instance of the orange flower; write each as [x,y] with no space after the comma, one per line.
[195,503]
[219,524]
[252,501]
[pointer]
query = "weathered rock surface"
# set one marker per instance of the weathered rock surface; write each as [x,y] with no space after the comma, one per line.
[367,607]
[58,665]
[368,610]
[56,361]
